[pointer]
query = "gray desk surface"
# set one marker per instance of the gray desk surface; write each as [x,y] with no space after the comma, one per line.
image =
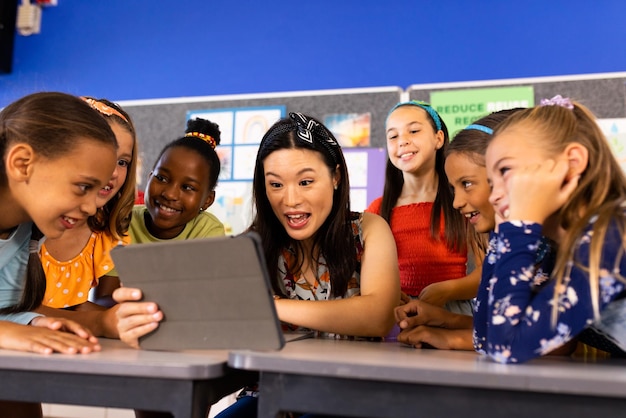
[116,358]
[402,375]
[184,383]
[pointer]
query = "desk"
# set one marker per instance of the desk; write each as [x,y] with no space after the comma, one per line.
[366,379]
[185,383]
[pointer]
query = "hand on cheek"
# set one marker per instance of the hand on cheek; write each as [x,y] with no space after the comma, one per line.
[536,191]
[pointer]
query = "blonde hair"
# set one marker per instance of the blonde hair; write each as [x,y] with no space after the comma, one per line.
[114,217]
[601,190]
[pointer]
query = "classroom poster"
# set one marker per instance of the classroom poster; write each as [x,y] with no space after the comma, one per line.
[615,132]
[459,108]
[350,129]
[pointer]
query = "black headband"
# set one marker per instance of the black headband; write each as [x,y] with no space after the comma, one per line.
[307,130]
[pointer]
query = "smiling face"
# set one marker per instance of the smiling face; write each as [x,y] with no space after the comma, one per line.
[57,194]
[468,178]
[412,143]
[300,188]
[125,144]
[177,190]
[509,151]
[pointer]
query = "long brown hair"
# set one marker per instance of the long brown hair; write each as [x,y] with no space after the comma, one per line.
[454,224]
[334,238]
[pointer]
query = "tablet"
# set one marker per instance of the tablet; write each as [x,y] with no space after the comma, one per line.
[215,293]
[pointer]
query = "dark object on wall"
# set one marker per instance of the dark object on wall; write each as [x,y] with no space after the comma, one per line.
[8,15]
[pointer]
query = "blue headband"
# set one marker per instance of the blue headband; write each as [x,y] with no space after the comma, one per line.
[433,114]
[481,128]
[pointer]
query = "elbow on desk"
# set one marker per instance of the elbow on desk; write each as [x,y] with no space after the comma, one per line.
[379,328]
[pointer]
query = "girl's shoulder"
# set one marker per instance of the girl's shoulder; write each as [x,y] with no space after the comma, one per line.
[614,227]
[105,242]
[139,210]
[137,215]
[205,224]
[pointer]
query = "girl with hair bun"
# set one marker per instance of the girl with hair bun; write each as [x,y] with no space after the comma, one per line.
[180,188]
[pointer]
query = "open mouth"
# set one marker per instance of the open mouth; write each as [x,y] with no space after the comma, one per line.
[69,220]
[297,220]
[167,209]
[106,190]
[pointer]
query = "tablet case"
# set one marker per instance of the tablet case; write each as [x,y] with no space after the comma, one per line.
[215,293]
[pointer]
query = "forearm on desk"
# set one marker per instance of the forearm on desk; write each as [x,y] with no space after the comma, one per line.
[100,322]
[357,316]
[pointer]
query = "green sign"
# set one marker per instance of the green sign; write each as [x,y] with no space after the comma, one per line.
[459,108]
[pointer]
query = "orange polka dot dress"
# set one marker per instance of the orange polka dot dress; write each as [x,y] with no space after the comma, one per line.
[68,282]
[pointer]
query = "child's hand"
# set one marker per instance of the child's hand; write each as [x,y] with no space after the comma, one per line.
[44,336]
[432,337]
[417,312]
[66,325]
[539,190]
[135,319]
[436,293]
[404,298]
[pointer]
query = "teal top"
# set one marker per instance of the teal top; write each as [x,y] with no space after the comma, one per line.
[13,262]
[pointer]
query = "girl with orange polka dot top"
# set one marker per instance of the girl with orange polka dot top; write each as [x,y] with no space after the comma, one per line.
[79,260]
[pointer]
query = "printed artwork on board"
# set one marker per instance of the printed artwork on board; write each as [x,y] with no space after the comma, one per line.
[350,129]
[615,131]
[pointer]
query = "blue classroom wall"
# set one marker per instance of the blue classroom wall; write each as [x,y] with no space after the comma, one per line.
[139,49]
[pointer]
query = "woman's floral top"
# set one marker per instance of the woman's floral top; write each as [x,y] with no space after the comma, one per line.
[297,287]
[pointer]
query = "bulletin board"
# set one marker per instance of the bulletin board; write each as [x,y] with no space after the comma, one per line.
[363,112]
[603,94]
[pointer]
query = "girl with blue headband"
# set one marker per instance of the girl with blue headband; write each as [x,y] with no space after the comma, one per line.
[417,203]
[423,324]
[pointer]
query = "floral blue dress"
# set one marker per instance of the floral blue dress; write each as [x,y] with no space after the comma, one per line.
[513,314]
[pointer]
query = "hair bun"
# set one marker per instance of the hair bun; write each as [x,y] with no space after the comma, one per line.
[205,130]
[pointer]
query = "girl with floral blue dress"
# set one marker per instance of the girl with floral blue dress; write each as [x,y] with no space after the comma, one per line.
[553,174]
